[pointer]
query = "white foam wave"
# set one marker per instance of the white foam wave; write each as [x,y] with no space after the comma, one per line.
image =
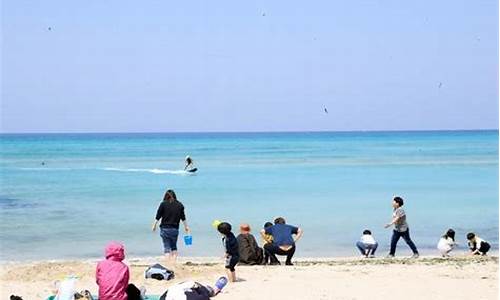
[154,171]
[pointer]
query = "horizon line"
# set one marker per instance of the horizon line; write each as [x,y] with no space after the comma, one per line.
[272,131]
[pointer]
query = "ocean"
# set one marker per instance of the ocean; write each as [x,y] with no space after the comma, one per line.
[66,195]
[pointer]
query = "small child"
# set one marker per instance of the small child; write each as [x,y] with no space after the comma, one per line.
[231,247]
[477,245]
[367,244]
[447,243]
[266,239]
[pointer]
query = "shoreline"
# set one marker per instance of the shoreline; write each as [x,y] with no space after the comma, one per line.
[402,254]
[306,259]
[309,278]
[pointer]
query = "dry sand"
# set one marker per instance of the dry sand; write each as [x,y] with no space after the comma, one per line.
[336,278]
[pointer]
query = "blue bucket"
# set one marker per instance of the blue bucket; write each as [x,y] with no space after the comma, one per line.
[188,240]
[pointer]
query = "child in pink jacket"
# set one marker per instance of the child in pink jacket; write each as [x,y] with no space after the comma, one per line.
[112,274]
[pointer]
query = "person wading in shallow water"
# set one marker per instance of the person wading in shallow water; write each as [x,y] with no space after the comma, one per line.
[170,212]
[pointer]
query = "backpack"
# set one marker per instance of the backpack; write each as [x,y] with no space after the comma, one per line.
[159,272]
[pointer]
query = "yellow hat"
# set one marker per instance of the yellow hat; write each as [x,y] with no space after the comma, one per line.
[216,223]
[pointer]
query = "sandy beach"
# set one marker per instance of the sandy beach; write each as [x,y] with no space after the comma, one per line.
[335,278]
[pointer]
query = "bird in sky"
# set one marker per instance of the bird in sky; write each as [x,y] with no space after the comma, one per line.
[440,85]
[326,110]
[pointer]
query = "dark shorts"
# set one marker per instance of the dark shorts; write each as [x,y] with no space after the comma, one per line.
[231,262]
[169,237]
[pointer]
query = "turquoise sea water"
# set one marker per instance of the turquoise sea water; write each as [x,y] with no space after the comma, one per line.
[99,187]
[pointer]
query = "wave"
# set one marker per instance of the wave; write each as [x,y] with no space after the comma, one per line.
[154,171]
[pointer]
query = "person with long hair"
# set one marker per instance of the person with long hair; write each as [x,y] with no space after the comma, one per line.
[169,214]
[447,243]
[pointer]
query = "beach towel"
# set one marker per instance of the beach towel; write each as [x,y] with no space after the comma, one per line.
[152,297]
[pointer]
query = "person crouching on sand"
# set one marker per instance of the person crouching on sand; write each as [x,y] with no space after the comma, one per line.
[283,240]
[447,243]
[400,228]
[477,245]
[231,249]
[367,244]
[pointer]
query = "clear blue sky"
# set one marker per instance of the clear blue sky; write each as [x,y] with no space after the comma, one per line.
[149,66]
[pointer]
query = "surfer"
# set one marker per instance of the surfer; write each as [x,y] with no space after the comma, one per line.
[190,165]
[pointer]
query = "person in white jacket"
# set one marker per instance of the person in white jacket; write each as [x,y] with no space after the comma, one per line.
[367,244]
[447,243]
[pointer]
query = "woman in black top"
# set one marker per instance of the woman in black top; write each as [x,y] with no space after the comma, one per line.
[170,212]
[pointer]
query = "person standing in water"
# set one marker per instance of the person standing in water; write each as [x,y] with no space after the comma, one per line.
[170,212]
[400,228]
[190,165]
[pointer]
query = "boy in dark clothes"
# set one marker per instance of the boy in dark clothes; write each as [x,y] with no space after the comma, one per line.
[231,247]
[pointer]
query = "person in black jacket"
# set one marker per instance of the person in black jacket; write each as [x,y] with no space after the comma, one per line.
[231,246]
[170,212]
[250,252]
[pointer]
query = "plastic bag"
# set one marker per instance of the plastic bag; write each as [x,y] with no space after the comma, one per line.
[67,289]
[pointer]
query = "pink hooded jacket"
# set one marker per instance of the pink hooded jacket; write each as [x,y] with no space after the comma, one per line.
[112,274]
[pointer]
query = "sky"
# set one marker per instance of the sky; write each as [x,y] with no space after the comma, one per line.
[174,66]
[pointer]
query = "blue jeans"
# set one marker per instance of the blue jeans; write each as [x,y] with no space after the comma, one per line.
[169,238]
[406,236]
[367,249]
